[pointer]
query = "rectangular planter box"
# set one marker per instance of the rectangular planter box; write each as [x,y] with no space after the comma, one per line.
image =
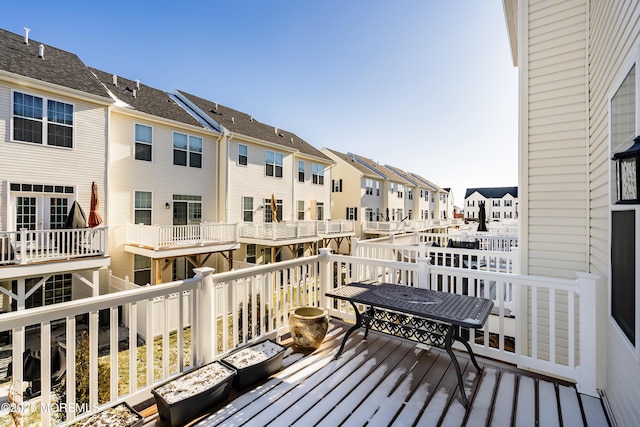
[184,398]
[256,362]
[121,415]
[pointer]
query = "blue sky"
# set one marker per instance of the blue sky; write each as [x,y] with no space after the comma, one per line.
[424,85]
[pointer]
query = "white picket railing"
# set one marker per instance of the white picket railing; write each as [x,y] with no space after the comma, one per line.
[336,226]
[279,230]
[168,236]
[28,246]
[548,321]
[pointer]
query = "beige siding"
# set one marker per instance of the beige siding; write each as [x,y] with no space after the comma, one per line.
[160,176]
[615,29]
[556,144]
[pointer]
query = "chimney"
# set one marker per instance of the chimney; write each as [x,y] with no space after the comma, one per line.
[26,35]
[41,51]
[115,80]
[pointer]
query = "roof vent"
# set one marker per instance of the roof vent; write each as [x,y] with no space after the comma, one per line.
[137,84]
[26,35]
[292,140]
[276,129]
[115,80]
[216,105]
[250,118]
[233,119]
[41,51]
[134,93]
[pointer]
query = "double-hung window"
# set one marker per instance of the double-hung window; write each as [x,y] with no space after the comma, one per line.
[317,174]
[300,210]
[29,121]
[187,150]
[243,154]
[368,185]
[300,170]
[273,163]
[144,142]
[142,207]
[247,209]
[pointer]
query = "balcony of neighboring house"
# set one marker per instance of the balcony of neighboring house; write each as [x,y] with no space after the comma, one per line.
[37,252]
[294,232]
[407,226]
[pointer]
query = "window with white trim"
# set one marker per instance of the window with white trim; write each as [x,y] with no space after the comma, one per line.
[243,154]
[300,210]
[187,150]
[300,170]
[368,185]
[143,142]
[142,207]
[247,209]
[273,164]
[141,270]
[29,121]
[317,174]
[320,211]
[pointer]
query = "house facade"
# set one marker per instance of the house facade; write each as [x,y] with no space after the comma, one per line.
[578,102]
[501,203]
[273,183]
[53,121]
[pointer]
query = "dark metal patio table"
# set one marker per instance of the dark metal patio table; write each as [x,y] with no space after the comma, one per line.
[423,315]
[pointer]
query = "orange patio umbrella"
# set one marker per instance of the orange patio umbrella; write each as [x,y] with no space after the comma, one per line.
[94,217]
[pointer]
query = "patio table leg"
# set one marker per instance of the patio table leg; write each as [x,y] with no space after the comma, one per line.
[448,341]
[457,337]
[351,329]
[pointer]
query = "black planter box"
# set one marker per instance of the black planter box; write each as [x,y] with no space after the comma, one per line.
[97,418]
[251,374]
[184,410]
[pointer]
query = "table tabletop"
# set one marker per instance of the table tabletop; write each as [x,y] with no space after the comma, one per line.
[461,310]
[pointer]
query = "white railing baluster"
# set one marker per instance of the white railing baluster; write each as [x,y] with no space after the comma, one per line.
[114,333]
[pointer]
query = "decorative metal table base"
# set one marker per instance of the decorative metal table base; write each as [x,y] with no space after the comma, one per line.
[424,331]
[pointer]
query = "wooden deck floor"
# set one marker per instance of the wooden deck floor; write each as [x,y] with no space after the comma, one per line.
[387,381]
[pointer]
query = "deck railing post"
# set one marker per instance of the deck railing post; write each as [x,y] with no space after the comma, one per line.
[424,264]
[205,344]
[354,246]
[587,370]
[325,275]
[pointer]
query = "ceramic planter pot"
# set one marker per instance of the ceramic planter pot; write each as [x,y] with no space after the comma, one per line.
[183,399]
[308,326]
[256,362]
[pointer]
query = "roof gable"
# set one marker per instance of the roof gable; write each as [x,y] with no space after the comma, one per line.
[492,192]
[355,164]
[56,66]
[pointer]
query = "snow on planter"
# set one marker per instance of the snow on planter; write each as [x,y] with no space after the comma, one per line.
[256,362]
[184,398]
[121,415]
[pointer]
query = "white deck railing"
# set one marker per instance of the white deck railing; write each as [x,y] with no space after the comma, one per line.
[548,321]
[285,230]
[337,226]
[28,246]
[171,236]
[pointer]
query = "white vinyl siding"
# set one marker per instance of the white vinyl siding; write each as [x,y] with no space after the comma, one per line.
[614,29]
[556,145]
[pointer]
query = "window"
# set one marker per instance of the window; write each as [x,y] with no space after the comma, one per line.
[471,202]
[251,253]
[144,142]
[29,119]
[243,154]
[187,209]
[496,203]
[273,164]
[268,212]
[624,233]
[496,215]
[55,290]
[336,185]
[368,214]
[352,214]
[410,194]
[187,150]
[317,174]
[300,170]
[377,188]
[368,185]
[141,270]
[300,210]
[508,203]
[247,209]
[320,211]
[400,191]
[142,207]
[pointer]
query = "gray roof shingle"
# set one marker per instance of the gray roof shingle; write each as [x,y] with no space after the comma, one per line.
[147,99]
[57,67]
[493,192]
[244,124]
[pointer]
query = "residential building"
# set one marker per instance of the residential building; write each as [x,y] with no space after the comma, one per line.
[53,118]
[274,183]
[578,79]
[500,203]
[163,186]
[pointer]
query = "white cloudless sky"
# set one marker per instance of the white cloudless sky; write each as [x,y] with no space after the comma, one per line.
[427,86]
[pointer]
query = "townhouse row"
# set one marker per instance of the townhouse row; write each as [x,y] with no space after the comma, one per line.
[178,181]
